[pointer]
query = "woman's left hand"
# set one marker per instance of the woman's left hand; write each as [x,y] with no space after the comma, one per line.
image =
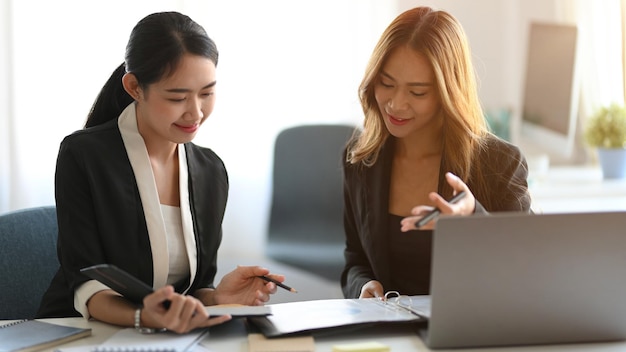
[185,313]
[243,286]
[465,206]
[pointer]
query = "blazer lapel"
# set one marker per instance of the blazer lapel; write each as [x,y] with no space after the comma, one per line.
[378,182]
[140,162]
[185,210]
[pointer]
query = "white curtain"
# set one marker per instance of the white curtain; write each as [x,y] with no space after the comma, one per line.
[5,106]
[599,53]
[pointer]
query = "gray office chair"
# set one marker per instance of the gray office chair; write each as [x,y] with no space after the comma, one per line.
[28,259]
[306,216]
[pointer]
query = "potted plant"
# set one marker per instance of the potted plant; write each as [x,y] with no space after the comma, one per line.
[606,131]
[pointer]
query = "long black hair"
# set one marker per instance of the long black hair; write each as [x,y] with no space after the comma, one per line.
[155,47]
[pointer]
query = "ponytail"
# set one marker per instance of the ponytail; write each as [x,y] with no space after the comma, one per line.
[155,47]
[111,101]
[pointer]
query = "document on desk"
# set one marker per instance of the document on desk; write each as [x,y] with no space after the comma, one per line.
[308,316]
[129,340]
[238,310]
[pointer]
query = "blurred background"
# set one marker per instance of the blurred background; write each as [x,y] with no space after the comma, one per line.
[282,63]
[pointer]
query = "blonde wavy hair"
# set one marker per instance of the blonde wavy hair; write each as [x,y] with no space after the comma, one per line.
[441,39]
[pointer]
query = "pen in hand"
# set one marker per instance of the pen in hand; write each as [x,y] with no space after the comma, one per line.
[435,212]
[278,283]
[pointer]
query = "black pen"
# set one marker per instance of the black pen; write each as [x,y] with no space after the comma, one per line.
[435,212]
[278,283]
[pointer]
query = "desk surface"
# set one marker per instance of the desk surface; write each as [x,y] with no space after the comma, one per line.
[576,189]
[560,189]
[232,337]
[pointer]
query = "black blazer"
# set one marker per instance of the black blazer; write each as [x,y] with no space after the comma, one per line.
[366,207]
[101,217]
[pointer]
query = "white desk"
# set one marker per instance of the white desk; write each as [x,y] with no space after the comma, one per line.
[232,337]
[575,189]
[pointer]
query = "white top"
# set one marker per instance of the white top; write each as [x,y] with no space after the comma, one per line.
[177,252]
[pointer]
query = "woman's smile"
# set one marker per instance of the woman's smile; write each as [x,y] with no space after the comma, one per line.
[397,120]
[188,129]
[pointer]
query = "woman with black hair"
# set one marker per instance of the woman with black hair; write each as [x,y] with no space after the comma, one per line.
[132,190]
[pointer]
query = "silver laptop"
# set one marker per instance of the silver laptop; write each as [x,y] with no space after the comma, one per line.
[519,279]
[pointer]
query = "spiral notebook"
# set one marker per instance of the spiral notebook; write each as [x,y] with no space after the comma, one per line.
[34,335]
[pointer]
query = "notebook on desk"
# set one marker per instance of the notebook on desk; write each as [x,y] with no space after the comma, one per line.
[517,279]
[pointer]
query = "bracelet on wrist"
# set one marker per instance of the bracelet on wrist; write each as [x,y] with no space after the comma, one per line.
[141,329]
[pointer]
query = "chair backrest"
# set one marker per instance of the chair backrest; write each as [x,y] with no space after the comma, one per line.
[28,259]
[306,217]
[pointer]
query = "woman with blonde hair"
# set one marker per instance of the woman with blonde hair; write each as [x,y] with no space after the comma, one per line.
[424,140]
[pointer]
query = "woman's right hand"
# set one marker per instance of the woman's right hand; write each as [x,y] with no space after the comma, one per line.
[184,314]
[372,289]
[465,206]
